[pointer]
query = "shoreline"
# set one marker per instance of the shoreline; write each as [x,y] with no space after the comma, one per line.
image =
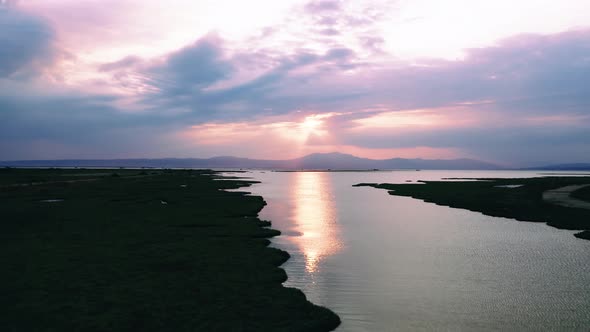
[520,199]
[266,224]
[173,251]
[563,196]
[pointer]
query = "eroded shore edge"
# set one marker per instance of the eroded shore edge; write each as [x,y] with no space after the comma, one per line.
[333,320]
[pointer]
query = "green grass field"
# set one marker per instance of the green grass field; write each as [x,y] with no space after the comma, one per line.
[110,256]
[524,203]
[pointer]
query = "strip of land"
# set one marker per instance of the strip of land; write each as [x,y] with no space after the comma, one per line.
[582,193]
[520,199]
[172,251]
[563,196]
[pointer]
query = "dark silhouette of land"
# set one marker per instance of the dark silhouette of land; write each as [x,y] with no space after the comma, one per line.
[583,194]
[141,250]
[334,161]
[563,167]
[520,199]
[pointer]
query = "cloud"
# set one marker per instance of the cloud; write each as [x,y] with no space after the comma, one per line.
[529,71]
[526,97]
[201,79]
[194,67]
[322,6]
[5,4]
[123,64]
[77,125]
[26,42]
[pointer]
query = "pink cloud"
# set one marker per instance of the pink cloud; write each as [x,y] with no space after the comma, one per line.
[153,65]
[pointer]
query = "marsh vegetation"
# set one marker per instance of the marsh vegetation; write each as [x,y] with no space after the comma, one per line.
[108,256]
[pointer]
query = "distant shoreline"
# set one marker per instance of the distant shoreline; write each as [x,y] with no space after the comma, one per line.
[520,199]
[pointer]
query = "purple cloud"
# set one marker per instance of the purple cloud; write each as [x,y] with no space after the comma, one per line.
[322,6]
[524,77]
[126,63]
[26,42]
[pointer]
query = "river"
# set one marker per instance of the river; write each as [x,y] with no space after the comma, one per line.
[389,263]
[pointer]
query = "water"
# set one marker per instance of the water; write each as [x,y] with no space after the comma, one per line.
[387,263]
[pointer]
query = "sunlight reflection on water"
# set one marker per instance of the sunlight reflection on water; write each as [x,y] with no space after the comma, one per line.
[315,218]
[386,263]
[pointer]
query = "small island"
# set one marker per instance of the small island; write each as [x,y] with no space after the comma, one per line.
[525,199]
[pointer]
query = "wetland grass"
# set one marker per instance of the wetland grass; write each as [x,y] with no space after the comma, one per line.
[111,257]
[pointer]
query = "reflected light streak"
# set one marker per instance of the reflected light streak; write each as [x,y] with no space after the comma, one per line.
[315,217]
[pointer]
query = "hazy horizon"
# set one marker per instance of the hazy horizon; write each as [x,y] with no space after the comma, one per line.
[502,82]
[328,160]
[502,165]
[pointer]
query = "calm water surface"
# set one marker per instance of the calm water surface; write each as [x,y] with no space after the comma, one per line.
[387,263]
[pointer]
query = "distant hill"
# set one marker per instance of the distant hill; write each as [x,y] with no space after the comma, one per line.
[564,167]
[335,161]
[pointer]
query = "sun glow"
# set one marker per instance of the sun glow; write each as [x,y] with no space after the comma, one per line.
[313,125]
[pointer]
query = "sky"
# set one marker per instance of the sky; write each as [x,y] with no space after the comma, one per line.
[502,81]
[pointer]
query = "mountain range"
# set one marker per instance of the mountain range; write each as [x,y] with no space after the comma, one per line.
[319,161]
[335,161]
